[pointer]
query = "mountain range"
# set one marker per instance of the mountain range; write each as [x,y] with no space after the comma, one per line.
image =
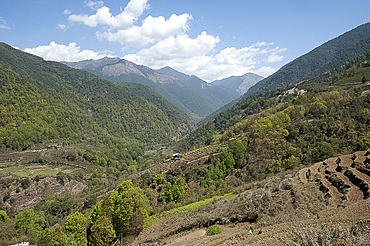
[194,96]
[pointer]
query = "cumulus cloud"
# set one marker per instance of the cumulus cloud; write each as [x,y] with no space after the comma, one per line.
[60,52]
[197,57]
[103,16]
[4,24]
[152,30]
[67,12]
[122,28]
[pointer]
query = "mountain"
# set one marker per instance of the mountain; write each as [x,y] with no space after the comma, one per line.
[218,95]
[240,84]
[347,78]
[192,100]
[330,55]
[43,100]
[327,56]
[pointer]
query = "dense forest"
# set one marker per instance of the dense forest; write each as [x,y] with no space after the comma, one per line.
[72,103]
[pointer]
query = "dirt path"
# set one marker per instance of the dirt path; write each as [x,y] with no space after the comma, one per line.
[332,164]
[360,175]
[354,193]
[360,156]
[346,160]
[303,175]
[193,235]
[336,196]
[315,168]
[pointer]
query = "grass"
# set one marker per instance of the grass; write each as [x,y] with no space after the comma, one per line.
[16,171]
[187,208]
[6,163]
[46,172]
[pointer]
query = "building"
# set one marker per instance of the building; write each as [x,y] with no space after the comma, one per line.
[176,156]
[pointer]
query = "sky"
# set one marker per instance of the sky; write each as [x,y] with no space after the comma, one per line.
[211,39]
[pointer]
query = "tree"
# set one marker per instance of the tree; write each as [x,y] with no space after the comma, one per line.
[173,193]
[75,229]
[125,203]
[54,237]
[29,223]
[363,80]
[4,218]
[102,232]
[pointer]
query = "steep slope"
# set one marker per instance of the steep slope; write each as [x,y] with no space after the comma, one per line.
[329,55]
[240,84]
[341,79]
[217,95]
[189,99]
[43,100]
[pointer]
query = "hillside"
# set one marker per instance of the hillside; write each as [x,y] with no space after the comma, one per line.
[240,84]
[44,100]
[217,95]
[184,95]
[327,56]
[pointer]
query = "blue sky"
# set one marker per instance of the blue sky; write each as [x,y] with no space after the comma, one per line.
[209,38]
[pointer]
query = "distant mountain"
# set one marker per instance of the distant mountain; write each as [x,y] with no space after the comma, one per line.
[240,84]
[218,95]
[327,56]
[43,100]
[193,100]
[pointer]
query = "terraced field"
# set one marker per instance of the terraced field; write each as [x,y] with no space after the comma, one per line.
[345,179]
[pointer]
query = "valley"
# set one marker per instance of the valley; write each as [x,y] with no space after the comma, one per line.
[158,157]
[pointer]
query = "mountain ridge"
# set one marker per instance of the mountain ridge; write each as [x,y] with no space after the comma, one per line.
[193,102]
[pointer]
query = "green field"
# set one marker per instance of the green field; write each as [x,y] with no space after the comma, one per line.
[19,171]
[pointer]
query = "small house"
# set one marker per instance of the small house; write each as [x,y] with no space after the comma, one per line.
[176,156]
[58,147]
[368,86]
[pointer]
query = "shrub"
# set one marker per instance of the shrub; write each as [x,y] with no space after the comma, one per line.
[213,230]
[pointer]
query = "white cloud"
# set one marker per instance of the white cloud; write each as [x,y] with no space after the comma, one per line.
[94,5]
[196,57]
[62,26]
[67,12]
[122,28]
[103,16]
[167,43]
[60,52]
[4,24]
[152,30]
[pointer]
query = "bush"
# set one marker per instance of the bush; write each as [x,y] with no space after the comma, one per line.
[213,230]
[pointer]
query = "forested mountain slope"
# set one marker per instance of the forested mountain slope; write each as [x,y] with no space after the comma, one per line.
[43,100]
[346,79]
[192,100]
[327,56]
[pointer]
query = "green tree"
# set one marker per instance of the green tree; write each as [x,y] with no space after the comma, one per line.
[125,203]
[363,80]
[102,232]
[173,193]
[74,228]
[54,237]
[29,223]
[4,218]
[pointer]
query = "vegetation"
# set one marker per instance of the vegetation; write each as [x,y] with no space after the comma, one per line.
[213,230]
[58,102]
